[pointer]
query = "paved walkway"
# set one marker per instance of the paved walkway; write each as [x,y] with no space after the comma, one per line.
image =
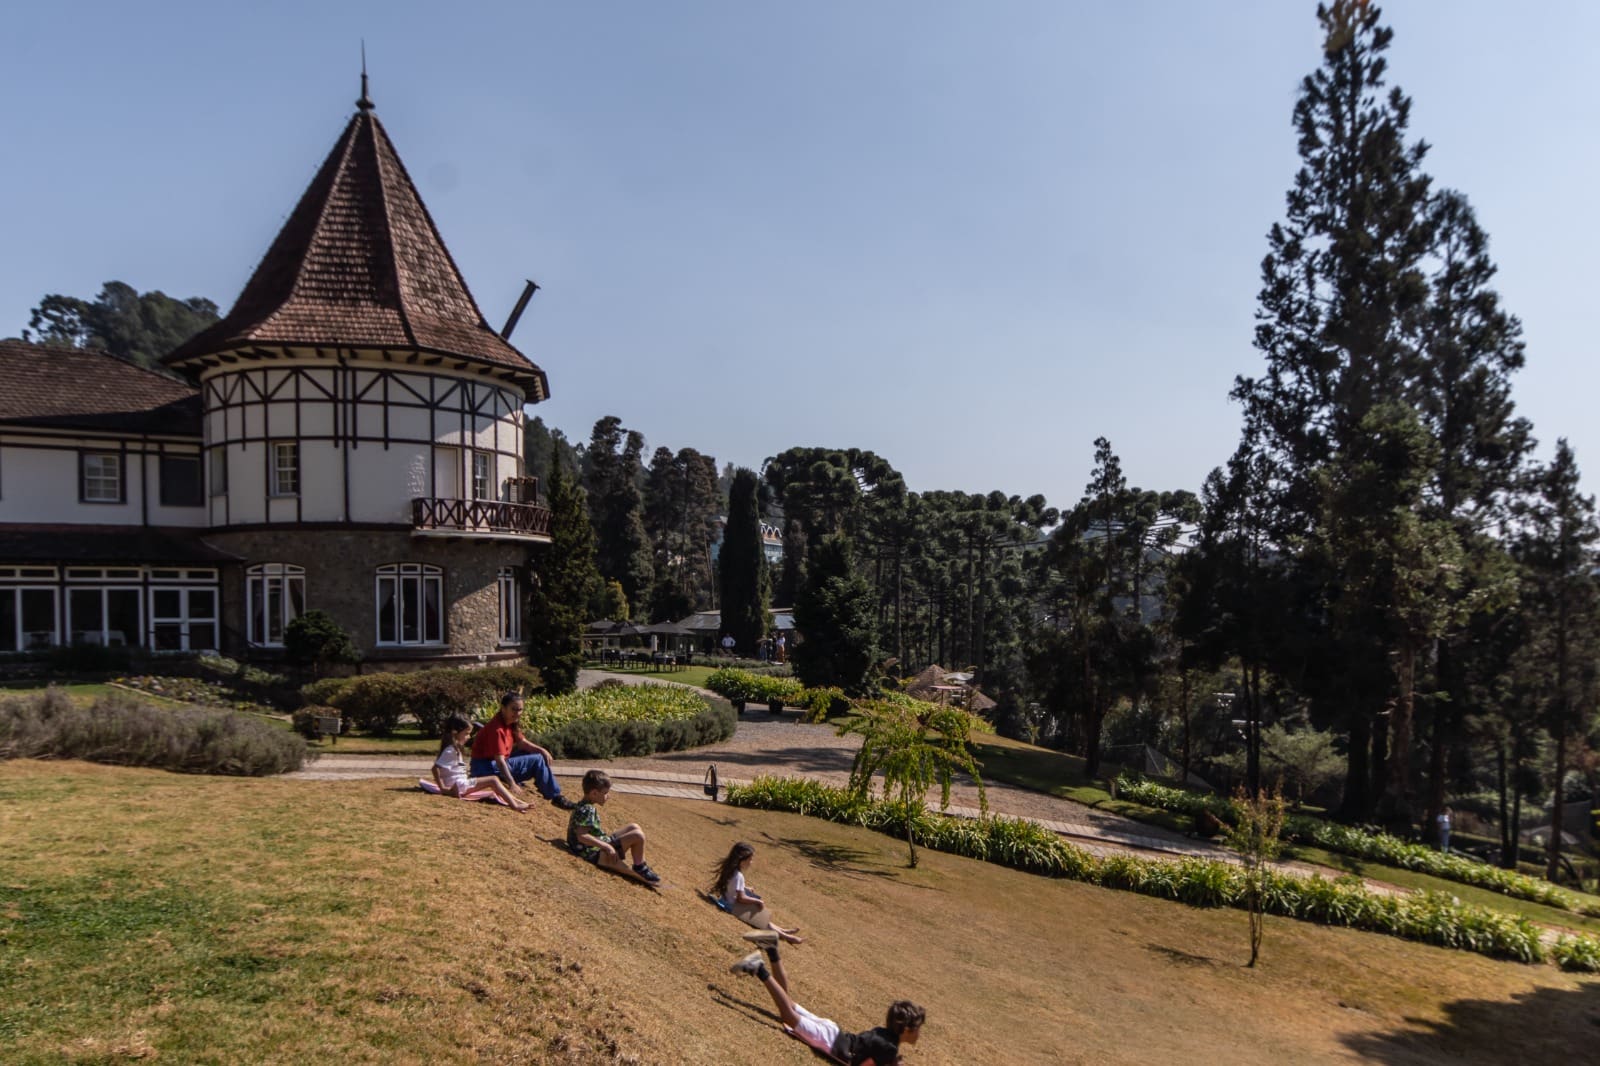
[780,745]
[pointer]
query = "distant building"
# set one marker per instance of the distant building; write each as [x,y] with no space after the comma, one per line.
[348,438]
[771,542]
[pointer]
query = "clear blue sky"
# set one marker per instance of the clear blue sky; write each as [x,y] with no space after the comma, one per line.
[970,237]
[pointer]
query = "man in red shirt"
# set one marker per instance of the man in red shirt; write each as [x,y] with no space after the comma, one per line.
[500,749]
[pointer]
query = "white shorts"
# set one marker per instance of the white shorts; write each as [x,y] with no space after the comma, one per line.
[820,1033]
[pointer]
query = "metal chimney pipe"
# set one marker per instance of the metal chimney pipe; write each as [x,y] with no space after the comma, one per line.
[516,312]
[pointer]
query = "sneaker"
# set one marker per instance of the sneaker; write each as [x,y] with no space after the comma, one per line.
[765,937]
[561,803]
[644,871]
[750,964]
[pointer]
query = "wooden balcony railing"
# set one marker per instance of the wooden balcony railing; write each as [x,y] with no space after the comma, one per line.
[487,517]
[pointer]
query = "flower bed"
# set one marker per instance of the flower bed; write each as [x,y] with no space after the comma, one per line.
[1430,917]
[623,720]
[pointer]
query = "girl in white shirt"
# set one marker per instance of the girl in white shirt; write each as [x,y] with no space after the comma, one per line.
[450,768]
[730,889]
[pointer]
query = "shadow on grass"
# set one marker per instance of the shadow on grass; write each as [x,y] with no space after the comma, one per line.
[560,844]
[835,858]
[1544,1025]
[1182,958]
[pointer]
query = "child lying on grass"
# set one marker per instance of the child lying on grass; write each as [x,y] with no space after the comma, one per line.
[875,1047]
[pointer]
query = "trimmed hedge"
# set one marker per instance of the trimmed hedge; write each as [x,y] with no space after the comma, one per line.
[1363,844]
[120,730]
[1429,917]
[375,703]
[734,684]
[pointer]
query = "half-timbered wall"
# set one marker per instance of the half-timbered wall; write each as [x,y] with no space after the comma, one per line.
[370,437]
[41,479]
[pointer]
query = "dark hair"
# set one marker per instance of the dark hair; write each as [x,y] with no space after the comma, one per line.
[507,697]
[903,1015]
[729,866]
[452,725]
[595,781]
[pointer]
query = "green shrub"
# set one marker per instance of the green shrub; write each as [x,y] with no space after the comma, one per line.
[372,703]
[321,693]
[315,639]
[1579,953]
[1366,844]
[431,696]
[736,685]
[1434,918]
[614,737]
[120,730]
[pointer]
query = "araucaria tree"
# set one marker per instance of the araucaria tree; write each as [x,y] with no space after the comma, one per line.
[835,615]
[564,580]
[742,566]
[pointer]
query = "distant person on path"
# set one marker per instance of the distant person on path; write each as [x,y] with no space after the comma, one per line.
[1443,822]
[450,769]
[875,1047]
[500,748]
[727,644]
[778,647]
[587,841]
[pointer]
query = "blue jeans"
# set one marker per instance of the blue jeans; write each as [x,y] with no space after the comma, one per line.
[523,768]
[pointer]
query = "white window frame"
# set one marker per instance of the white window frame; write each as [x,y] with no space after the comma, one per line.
[20,635]
[260,582]
[186,618]
[510,606]
[93,485]
[396,578]
[285,474]
[129,640]
[482,484]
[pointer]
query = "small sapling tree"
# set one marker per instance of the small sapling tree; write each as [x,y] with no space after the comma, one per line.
[913,744]
[314,639]
[1256,835]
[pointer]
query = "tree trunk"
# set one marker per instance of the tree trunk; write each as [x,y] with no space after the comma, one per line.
[1505,814]
[1553,849]
[1357,769]
[1185,699]
[1380,763]
[1397,798]
[1508,859]
[1443,722]
[1252,729]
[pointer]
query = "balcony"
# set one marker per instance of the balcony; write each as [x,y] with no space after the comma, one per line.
[433,516]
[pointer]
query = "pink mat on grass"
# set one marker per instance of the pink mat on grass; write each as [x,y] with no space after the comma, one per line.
[478,794]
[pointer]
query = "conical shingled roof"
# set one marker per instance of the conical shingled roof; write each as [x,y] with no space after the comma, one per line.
[360,264]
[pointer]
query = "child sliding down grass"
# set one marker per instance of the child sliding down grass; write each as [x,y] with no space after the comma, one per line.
[605,849]
[450,768]
[728,886]
[875,1047]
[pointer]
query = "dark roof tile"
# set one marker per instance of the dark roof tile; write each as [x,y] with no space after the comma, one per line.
[358,264]
[72,388]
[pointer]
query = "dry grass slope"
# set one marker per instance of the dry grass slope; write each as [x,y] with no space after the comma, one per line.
[227,921]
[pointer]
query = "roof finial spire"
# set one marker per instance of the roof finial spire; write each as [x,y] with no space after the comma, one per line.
[365,103]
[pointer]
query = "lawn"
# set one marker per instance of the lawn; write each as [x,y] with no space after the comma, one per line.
[315,922]
[683,675]
[82,693]
[1056,773]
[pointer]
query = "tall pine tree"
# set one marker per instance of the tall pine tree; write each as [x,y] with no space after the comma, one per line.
[564,579]
[742,565]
